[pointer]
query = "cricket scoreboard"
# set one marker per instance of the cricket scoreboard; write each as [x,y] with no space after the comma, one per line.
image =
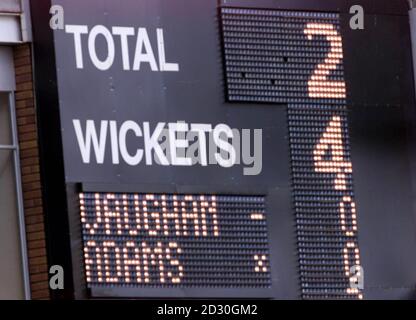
[228,149]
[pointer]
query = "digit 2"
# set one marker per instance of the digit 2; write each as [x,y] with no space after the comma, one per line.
[318,85]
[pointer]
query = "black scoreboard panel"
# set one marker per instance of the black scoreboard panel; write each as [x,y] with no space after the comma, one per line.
[333,200]
[168,240]
[297,58]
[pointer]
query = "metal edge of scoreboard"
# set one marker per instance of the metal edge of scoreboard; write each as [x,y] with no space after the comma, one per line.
[282,287]
[396,7]
[50,147]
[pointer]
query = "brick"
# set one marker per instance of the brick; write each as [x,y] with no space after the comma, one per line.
[21,51]
[29,161]
[26,120]
[34,185]
[30,136]
[28,145]
[35,228]
[26,69]
[29,156]
[34,219]
[34,152]
[40,294]
[27,128]
[37,268]
[30,169]
[24,78]
[27,111]
[35,244]
[39,285]
[32,203]
[31,178]
[39,277]
[20,95]
[35,253]
[31,186]
[39,261]
[33,211]
[40,235]
[26,103]
[21,61]
[24,86]
[33,194]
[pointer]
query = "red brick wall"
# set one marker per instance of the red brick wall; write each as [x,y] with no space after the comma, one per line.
[31,183]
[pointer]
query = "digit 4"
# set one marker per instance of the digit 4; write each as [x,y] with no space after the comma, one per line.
[331,141]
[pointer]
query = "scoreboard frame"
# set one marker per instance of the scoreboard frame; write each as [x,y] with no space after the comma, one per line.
[282,222]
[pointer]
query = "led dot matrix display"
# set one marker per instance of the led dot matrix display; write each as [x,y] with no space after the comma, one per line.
[296,58]
[173,240]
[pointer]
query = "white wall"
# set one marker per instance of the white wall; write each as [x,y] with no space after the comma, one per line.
[9,5]
[15,24]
